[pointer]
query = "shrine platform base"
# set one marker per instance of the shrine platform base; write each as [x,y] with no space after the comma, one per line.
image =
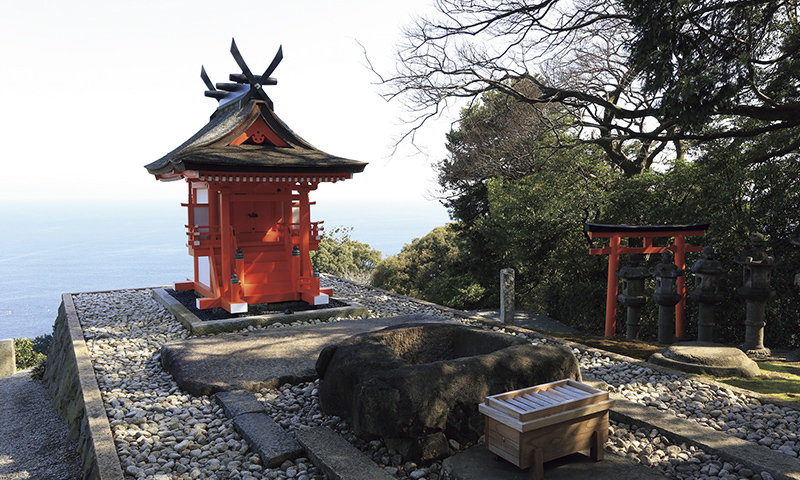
[197,326]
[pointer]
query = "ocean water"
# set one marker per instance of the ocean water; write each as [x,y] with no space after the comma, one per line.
[47,250]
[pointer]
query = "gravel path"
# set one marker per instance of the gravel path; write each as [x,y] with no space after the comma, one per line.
[33,439]
[163,433]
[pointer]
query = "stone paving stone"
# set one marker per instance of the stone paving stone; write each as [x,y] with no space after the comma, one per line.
[238,403]
[267,439]
[337,458]
[477,463]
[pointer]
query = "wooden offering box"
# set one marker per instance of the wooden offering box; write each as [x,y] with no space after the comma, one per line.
[534,425]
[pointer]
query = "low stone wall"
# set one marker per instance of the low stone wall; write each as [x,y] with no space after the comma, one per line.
[8,361]
[70,378]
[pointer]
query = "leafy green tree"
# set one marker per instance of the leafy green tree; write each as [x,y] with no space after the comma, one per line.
[637,79]
[342,256]
[519,202]
[531,219]
[724,186]
[711,59]
[431,268]
[26,354]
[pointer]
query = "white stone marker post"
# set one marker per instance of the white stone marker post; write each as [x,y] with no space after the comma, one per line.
[507,296]
[8,362]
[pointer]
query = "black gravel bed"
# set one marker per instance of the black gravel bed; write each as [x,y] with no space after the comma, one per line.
[187,299]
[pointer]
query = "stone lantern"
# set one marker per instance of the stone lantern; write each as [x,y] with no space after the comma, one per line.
[757,273]
[795,239]
[633,297]
[666,295]
[708,271]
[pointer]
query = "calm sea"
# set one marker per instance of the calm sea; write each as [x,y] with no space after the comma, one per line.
[82,247]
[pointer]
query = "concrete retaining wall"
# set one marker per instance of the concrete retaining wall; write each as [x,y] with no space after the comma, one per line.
[70,378]
[8,360]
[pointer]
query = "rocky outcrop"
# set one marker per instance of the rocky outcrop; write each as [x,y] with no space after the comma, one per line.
[416,386]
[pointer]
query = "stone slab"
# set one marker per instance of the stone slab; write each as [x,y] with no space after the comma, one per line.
[267,439]
[238,403]
[263,358]
[729,448]
[706,358]
[478,463]
[8,361]
[337,458]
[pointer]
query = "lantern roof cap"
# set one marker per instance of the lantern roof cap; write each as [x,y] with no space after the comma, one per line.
[755,255]
[708,264]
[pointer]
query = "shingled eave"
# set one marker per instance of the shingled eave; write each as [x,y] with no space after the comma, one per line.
[209,148]
[266,158]
[220,123]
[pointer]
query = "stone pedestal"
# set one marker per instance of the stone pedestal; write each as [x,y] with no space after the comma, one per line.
[507,296]
[706,358]
[8,362]
[754,329]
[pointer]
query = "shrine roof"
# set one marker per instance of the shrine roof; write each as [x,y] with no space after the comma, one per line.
[210,149]
[245,135]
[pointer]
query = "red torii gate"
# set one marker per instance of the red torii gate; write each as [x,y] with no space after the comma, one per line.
[646,232]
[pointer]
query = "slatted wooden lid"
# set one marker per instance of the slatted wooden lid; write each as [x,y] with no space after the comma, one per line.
[546,399]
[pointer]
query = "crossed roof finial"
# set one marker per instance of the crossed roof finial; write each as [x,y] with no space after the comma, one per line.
[226,92]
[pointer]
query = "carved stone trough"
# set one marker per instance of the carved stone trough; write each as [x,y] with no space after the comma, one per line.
[418,386]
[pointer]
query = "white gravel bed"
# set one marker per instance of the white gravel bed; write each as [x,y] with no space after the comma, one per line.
[162,433]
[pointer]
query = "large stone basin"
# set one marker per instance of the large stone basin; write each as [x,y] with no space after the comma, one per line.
[416,386]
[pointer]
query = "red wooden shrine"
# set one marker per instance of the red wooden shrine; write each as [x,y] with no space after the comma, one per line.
[249,215]
[646,232]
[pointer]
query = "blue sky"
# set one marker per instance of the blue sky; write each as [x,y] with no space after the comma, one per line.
[94,90]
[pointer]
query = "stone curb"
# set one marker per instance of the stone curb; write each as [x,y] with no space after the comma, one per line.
[199,327]
[337,458]
[70,378]
[729,448]
[266,438]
